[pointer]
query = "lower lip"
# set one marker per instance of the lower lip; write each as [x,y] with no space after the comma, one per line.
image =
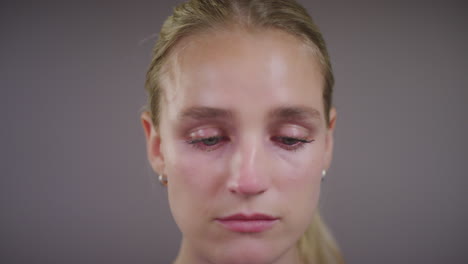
[248,226]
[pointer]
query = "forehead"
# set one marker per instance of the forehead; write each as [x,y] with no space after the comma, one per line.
[240,69]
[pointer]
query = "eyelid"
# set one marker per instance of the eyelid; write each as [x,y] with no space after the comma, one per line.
[204,132]
[199,136]
[294,131]
[299,143]
[201,144]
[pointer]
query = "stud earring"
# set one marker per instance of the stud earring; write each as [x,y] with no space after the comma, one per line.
[324,173]
[163,180]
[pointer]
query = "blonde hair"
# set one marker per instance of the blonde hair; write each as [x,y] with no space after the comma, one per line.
[316,245]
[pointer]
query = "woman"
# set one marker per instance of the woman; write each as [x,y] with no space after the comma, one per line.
[240,130]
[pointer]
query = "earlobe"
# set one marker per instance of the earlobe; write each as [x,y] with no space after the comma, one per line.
[153,144]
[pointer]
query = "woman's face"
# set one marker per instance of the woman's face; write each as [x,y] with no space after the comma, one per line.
[243,141]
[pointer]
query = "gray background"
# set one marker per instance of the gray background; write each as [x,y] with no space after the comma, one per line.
[75,183]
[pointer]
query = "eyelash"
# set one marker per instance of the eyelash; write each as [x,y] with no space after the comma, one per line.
[201,143]
[299,142]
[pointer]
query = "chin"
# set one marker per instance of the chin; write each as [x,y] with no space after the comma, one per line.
[249,252]
[246,258]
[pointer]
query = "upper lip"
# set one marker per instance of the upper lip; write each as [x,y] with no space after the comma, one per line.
[247,217]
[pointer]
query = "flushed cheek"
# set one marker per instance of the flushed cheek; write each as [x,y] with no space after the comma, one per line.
[300,185]
[194,184]
[300,167]
[196,170]
[309,156]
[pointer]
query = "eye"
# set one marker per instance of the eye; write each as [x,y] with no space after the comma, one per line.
[209,143]
[291,143]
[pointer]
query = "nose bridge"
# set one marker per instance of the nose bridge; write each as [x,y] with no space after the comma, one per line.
[249,167]
[251,153]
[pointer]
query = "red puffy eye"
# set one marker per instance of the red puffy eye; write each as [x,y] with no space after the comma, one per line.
[290,143]
[208,144]
[211,141]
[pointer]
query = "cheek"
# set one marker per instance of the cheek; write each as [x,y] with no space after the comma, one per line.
[192,169]
[302,184]
[301,169]
[298,181]
[194,182]
[302,202]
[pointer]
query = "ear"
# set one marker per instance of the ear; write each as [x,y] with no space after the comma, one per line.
[329,139]
[153,144]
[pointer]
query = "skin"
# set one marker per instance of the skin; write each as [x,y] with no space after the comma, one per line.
[245,154]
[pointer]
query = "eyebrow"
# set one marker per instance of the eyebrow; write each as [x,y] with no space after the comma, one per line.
[289,113]
[295,113]
[202,113]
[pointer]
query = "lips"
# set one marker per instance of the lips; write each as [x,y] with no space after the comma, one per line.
[248,223]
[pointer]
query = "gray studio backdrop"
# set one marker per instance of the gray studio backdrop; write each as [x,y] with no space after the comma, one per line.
[75,183]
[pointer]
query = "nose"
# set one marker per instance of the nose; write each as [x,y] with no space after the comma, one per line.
[249,174]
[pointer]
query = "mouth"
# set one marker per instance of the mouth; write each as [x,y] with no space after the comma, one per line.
[248,223]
